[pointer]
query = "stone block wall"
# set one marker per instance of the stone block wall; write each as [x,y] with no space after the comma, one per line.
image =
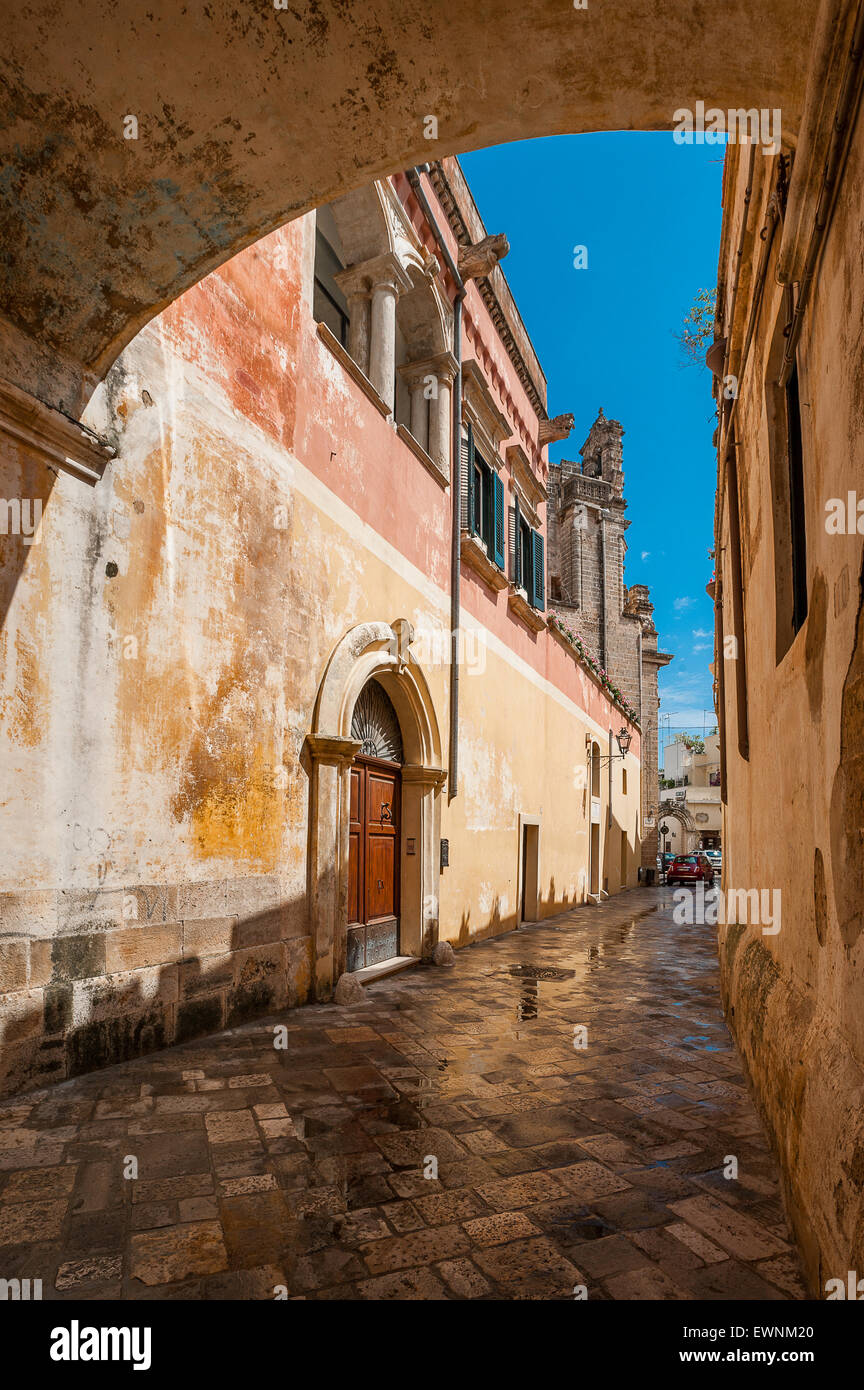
[93,978]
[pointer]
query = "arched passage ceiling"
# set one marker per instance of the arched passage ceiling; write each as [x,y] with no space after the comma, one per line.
[248,115]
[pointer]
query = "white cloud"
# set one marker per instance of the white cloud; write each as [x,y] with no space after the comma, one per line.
[645,554]
[702,632]
[680,604]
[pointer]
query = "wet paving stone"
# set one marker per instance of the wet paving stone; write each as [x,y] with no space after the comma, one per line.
[446,1138]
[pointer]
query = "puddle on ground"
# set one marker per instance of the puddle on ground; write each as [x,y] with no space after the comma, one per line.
[540,972]
[529,1001]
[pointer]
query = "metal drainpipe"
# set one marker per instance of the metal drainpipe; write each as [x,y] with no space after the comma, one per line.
[455,478]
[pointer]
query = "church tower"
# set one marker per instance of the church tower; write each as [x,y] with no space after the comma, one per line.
[587,551]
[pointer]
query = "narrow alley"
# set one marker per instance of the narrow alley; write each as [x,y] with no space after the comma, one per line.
[307,1170]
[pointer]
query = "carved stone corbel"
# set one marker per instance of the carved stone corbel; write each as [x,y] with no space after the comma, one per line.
[551,430]
[478,260]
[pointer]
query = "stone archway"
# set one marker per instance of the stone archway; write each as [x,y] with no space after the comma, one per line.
[255,114]
[668,809]
[378,650]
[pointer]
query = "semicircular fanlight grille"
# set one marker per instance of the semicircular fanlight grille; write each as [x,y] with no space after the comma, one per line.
[375,724]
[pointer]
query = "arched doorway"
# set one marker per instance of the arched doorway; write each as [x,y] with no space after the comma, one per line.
[350,726]
[374,831]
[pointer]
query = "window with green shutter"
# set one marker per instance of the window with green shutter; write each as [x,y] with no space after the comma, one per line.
[482,500]
[497,550]
[537,592]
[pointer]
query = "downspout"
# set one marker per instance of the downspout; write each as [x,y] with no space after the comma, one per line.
[455,477]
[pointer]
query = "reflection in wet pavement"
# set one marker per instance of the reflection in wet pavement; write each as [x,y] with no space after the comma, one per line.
[445,1138]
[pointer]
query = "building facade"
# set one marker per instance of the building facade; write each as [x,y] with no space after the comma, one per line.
[789,653]
[310,518]
[690,796]
[587,593]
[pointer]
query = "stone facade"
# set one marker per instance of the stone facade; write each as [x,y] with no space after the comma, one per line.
[256,521]
[789,654]
[587,552]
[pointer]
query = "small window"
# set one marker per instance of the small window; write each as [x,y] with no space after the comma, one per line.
[796,501]
[526,557]
[481,512]
[787,492]
[329,304]
[526,554]
[624,780]
[484,514]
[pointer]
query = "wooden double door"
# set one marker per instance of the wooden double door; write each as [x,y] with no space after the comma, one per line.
[373,862]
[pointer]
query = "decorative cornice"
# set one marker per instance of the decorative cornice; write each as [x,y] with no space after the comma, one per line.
[477,400]
[385,269]
[443,366]
[444,193]
[330,749]
[59,439]
[524,476]
[421,776]
[518,603]
[473,552]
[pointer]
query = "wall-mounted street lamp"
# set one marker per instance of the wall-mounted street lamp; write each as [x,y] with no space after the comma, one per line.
[623,739]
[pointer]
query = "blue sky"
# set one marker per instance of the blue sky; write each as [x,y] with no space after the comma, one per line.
[648,212]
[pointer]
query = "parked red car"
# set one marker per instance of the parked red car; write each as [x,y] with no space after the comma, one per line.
[690,868]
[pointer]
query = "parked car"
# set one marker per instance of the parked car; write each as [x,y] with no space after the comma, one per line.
[690,868]
[716,859]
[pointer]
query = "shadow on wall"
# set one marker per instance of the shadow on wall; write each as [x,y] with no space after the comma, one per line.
[105,1000]
[27,484]
[494,926]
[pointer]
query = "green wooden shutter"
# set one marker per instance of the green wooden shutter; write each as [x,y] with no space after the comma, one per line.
[497,521]
[516,543]
[538,578]
[467,480]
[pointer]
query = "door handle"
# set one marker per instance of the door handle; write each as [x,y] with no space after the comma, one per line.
[380,883]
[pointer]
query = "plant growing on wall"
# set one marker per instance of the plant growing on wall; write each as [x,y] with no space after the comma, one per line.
[691,742]
[594,666]
[697,330]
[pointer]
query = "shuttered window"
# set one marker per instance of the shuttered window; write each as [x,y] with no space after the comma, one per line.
[467,480]
[482,500]
[526,557]
[537,593]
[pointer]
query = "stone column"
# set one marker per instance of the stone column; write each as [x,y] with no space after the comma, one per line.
[382,347]
[358,329]
[430,382]
[421,822]
[420,412]
[440,423]
[326,761]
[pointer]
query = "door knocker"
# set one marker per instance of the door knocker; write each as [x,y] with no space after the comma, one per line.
[386,817]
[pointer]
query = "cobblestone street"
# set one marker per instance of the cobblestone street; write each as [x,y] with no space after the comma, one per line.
[304,1168]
